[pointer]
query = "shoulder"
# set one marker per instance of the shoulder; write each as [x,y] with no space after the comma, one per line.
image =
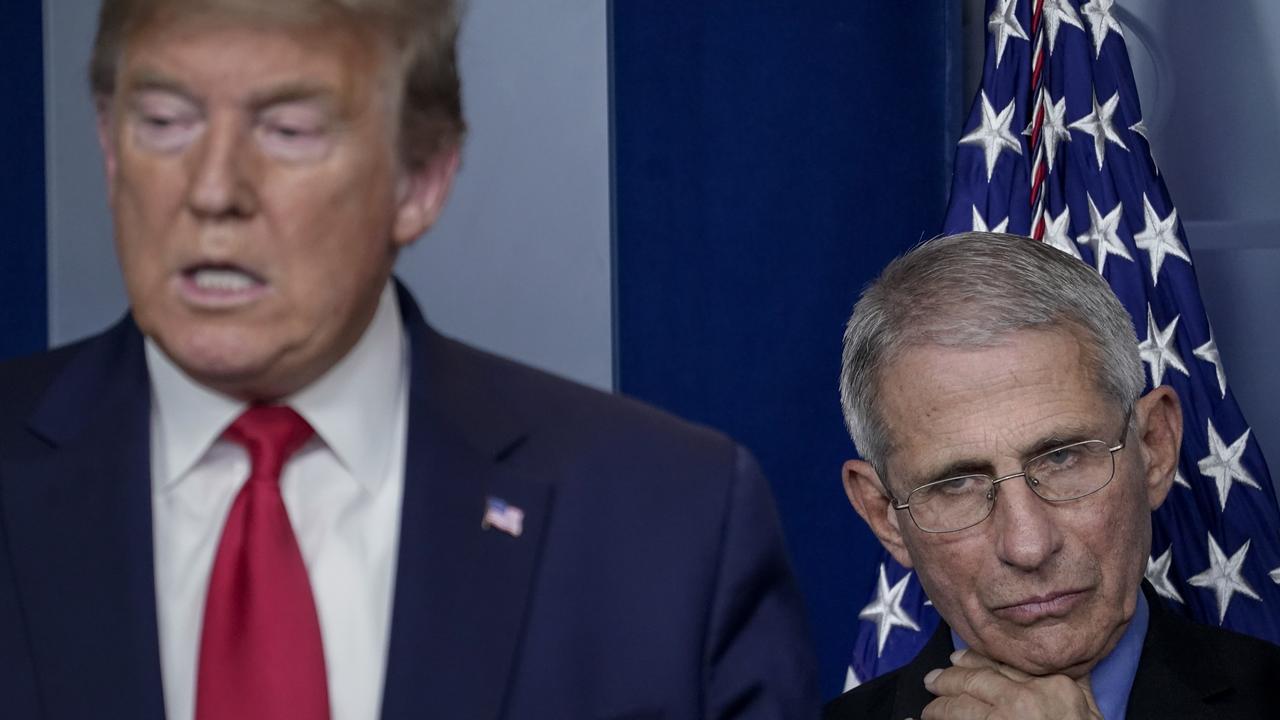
[899,693]
[24,381]
[92,363]
[1219,673]
[1247,660]
[569,415]
[872,699]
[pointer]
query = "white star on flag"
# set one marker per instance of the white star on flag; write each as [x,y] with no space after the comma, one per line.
[1057,232]
[1159,238]
[1140,128]
[1054,128]
[1101,22]
[1223,464]
[1178,479]
[1223,576]
[1158,350]
[980,223]
[1102,237]
[1003,24]
[1055,13]
[1208,352]
[993,134]
[886,609]
[1158,575]
[1100,124]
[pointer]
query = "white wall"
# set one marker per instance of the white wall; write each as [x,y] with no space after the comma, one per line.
[520,262]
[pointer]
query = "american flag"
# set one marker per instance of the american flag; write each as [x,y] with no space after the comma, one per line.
[1055,148]
[500,515]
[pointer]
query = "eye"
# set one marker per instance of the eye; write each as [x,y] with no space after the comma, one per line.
[959,485]
[1061,458]
[163,122]
[949,488]
[294,133]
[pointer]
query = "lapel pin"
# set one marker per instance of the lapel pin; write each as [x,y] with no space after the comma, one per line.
[500,515]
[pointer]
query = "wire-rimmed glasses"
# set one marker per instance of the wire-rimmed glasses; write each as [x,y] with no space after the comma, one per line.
[1065,473]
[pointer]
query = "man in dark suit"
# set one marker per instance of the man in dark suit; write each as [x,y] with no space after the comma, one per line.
[273,491]
[993,386]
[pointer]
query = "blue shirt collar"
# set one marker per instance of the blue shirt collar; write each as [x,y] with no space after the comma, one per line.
[1112,677]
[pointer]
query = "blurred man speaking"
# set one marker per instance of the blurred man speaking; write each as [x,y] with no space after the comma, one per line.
[993,387]
[273,491]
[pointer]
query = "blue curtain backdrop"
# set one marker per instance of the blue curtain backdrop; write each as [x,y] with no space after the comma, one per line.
[23,302]
[770,158]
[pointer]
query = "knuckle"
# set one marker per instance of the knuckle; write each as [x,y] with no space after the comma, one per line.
[971,682]
[1060,684]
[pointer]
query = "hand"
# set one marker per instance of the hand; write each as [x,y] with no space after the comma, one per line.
[978,688]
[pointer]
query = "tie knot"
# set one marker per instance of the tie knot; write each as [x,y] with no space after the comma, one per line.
[270,433]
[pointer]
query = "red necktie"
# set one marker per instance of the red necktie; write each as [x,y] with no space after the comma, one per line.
[260,652]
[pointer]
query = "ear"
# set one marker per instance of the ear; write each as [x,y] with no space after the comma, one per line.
[106,139]
[1159,428]
[421,194]
[862,485]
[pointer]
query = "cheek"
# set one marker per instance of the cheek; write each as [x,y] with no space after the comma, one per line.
[140,248]
[345,211]
[950,568]
[1125,538]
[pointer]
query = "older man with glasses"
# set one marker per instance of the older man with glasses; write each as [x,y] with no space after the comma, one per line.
[994,389]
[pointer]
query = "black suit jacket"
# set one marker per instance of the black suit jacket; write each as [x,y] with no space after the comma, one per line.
[1187,671]
[650,579]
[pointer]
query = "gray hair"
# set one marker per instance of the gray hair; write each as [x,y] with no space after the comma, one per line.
[973,290]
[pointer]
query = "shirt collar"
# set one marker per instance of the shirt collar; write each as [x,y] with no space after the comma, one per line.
[1112,678]
[352,407]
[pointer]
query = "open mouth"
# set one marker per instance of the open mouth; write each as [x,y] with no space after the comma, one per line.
[219,285]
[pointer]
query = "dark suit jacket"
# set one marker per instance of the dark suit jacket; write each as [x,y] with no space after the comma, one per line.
[1186,671]
[650,580]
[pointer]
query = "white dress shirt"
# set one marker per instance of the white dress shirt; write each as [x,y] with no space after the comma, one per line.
[342,491]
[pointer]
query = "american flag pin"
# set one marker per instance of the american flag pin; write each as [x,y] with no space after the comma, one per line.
[500,515]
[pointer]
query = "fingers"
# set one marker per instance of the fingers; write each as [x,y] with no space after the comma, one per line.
[982,683]
[971,659]
[980,688]
[963,707]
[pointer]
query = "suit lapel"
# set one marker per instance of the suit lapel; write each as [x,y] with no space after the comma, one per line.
[910,695]
[461,590]
[78,512]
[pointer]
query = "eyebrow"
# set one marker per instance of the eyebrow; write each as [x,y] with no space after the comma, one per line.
[294,92]
[151,81]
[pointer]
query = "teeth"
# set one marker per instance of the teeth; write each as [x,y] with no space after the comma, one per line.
[223,280]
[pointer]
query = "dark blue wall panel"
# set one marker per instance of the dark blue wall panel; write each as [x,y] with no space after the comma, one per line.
[770,158]
[23,298]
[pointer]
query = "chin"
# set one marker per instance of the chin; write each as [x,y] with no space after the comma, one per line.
[220,360]
[1047,656]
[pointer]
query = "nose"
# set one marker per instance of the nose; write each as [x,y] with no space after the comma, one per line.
[1026,527]
[221,179]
